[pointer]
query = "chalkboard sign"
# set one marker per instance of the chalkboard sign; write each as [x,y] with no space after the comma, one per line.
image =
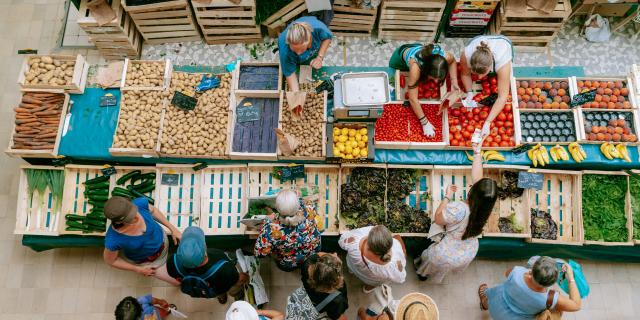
[62,161]
[530,180]
[582,98]
[246,112]
[489,100]
[184,101]
[200,166]
[108,100]
[291,173]
[521,149]
[170,179]
[108,170]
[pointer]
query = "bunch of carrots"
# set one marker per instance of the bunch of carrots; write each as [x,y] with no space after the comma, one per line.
[37,120]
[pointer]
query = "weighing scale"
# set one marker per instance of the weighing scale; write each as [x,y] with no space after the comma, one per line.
[360,95]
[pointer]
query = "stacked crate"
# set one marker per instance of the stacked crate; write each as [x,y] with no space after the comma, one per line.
[352,21]
[410,19]
[169,21]
[278,21]
[115,40]
[470,18]
[222,21]
[529,29]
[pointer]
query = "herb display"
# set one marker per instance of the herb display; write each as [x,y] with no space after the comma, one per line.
[542,225]
[362,198]
[509,188]
[603,207]
[634,188]
[400,216]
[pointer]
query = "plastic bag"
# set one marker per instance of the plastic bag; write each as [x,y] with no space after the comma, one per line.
[597,29]
[578,276]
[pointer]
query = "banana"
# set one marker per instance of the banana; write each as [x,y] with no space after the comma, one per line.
[622,149]
[469,157]
[545,154]
[582,152]
[613,151]
[486,154]
[554,154]
[577,157]
[495,156]
[604,148]
[563,153]
[540,158]
[531,156]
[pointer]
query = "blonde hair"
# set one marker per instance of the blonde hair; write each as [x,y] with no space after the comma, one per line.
[288,207]
[299,33]
[481,59]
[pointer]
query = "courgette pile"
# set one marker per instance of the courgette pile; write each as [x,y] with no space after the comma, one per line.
[137,184]
[96,190]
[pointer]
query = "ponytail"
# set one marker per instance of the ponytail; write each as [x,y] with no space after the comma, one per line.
[481,59]
[433,65]
[380,241]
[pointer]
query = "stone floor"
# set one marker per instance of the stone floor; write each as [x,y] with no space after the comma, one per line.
[70,284]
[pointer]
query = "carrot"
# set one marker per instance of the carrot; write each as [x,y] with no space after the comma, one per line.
[28,105]
[25,121]
[28,99]
[47,113]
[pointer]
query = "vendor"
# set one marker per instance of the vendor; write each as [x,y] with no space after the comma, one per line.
[304,41]
[424,63]
[485,54]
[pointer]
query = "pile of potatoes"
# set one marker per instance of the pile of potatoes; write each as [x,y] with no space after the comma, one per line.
[308,129]
[49,71]
[145,74]
[202,131]
[139,119]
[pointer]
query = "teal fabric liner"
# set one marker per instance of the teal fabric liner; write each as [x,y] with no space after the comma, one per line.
[550,72]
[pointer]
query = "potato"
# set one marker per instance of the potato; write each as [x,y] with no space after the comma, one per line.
[139,122]
[145,73]
[46,70]
[308,128]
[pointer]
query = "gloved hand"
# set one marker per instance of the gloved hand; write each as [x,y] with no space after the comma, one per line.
[468,101]
[428,129]
[486,128]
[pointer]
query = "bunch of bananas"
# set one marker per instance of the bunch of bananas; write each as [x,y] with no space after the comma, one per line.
[615,151]
[558,153]
[538,155]
[488,156]
[577,152]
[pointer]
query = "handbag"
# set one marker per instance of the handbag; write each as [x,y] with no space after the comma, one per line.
[549,314]
[300,307]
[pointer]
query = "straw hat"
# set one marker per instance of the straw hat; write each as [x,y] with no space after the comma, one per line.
[417,306]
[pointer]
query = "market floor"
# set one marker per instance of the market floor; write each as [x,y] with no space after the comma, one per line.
[75,284]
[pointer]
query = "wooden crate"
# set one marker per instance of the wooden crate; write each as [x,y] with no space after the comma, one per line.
[561,197]
[626,83]
[410,19]
[74,201]
[627,210]
[180,203]
[223,199]
[345,177]
[78,81]
[635,78]
[122,170]
[239,86]
[515,97]
[519,137]
[239,96]
[323,139]
[351,125]
[166,77]
[115,40]
[350,20]
[420,197]
[164,22]
[32,217]
[278,21]
[630,115]
[222,21]
[324,177]
[48,153]
[400,90]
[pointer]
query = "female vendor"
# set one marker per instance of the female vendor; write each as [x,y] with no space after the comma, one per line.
[304,41]
[424,63]
[485,54]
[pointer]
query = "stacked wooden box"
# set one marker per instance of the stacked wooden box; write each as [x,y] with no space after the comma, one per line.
[169,21]
[279,20]
[115,40]
[352,21]
[410,20]
[222,21]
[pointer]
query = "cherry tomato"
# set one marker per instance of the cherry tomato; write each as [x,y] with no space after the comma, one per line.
[476,110]
[499,123]
[501,117]
[507,107]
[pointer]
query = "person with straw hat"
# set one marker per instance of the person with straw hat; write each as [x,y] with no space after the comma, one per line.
[413,306]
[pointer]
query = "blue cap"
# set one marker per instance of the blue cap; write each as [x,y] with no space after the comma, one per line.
[192,248]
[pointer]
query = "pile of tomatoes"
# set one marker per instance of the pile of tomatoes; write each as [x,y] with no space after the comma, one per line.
[463,123]
[399,123]
[488,85]
[429,90]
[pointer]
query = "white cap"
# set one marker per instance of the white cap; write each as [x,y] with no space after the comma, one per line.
[241,310]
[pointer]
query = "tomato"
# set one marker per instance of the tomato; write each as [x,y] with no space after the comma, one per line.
[458,135]
[455,112]
[483,115]
[509,132]
[476,118]
[493,81]
[501,117]
[453,129]
[475,110]
[488,139]
[505,137]
[504,144]
[466,134]
[502,130]
[468,143]
[486,92]
[507,107]
[494,144]
[402,81]
[508,124]
[497,138]
[499,123]
[510,116]
[470,127]
[472,123]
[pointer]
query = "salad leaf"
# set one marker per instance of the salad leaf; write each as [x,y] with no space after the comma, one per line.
[603,207]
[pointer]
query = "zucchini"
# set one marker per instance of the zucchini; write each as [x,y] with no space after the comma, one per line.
[74,217]
[145,189]
[140,195]
[97,204]
[75,229]
[128,176]
[76,224]
[98,198]
[97,186]
[99,192]
[122,192]
[97,180]
[142,177]
[96,215]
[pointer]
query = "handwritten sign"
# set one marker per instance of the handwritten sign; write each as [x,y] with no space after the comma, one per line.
[108,100]
[246,112]
[582,98]
[200,166]
[530,180]
[170,179]
[184,101]
[521,149]
[291,173]
[108,170]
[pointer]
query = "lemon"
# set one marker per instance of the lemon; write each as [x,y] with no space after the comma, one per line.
[361,144]
[340,146]
[356,152]
[363,131]
[342,138]
[336,131]
[345,131]
[363,153]
[352,132]
[348,149]
[354,144]
[336,151]
[348,156]
[358,137]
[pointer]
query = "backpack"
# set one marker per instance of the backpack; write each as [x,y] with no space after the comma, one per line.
[196,285]
[300,307]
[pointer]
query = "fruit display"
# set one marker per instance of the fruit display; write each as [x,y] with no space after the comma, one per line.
[399,124]
[49,70]
[350,141]
[482,88]
[139,119]
[610,94]
[604,213]
[609,126]
[37,119]
[611,151]
[547,127]
[543,94]
[488,155]
[428,90]
[145,74]
[538,155]
[257,136]
[307,128]
[463,123]
[558,153]
[577,152]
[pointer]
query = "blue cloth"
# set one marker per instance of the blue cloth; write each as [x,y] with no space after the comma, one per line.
[413,51]
[289,60]
[513,300]
[137,248]
[148,310]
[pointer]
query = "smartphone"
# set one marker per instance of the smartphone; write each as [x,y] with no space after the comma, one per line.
[477,136]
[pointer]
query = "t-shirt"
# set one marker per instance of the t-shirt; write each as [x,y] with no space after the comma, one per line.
[337,306]
[149,312]
[500,46]
[289,60]
[137,248]
[226,276]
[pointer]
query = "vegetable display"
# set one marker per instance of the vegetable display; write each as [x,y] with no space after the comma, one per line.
[37,121]
[634,190]
[308,127]
[145,74]
[429,90]
[48,70]
[96,191]
[542,225]
[547,127]
[610,94]
[603,207]
[203,130]
[533,94]
[135,184]
[139,120]
[509,224]
[401,217]
[350,141]
[463,123]
[399,123]
[609,126]
[508,189]
[38,181]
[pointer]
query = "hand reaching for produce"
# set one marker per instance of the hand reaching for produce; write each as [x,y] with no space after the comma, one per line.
[485,129]
[468,101]
[451,190]
[317,62]
[428,129]
[477,147]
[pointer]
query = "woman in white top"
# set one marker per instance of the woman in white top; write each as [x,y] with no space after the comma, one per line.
[463,222]
[375,256]
[485,54]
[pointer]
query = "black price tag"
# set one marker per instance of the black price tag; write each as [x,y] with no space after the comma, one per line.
[28,51]
[291,173]
[530,180]
[199,166]
[490,100]
[60,162]
[521,149]
[246,112]
[184,101]
[326,85]
[582,98]
[108,170]
[108,100]
[170,179]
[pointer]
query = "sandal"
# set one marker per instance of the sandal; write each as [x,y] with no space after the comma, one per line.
[483,297]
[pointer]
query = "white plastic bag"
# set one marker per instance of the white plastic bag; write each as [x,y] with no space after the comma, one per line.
[597,29]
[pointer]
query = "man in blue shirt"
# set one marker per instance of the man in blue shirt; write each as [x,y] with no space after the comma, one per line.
[305,40]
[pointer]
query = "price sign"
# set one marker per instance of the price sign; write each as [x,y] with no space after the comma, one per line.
[521,149]
[108,170]
[199,166]
[184,101]
[530,180]
[60,162]
[582,98]
[246,112]
[291,173]
[108,100]
[170,179]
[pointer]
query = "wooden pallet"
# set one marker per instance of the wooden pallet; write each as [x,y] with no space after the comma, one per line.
[410,19]
[561,197]
[582,122]
[164,22]
[352,21]
[181,202]
[74,201]
[115,40]
[224,199]
[278,21]
[79,78]
[32,217]
[222,21]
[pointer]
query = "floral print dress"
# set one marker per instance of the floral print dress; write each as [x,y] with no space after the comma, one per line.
[289,245]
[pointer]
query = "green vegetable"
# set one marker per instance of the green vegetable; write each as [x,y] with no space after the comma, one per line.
[122,192]
[56,185]
[128,176]
[99,198]
[634,188]
[603,207]
[97,180]
[140,195]
[97,186]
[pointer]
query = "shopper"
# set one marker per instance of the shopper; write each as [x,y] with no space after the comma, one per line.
[241,310]
[142,308]
[135,241]
[413,306]
[321,277]
[526,292]
[193,259]
[305,41]
[463,222]
[291,235]
[424,63]
[485,54]
[375,256]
